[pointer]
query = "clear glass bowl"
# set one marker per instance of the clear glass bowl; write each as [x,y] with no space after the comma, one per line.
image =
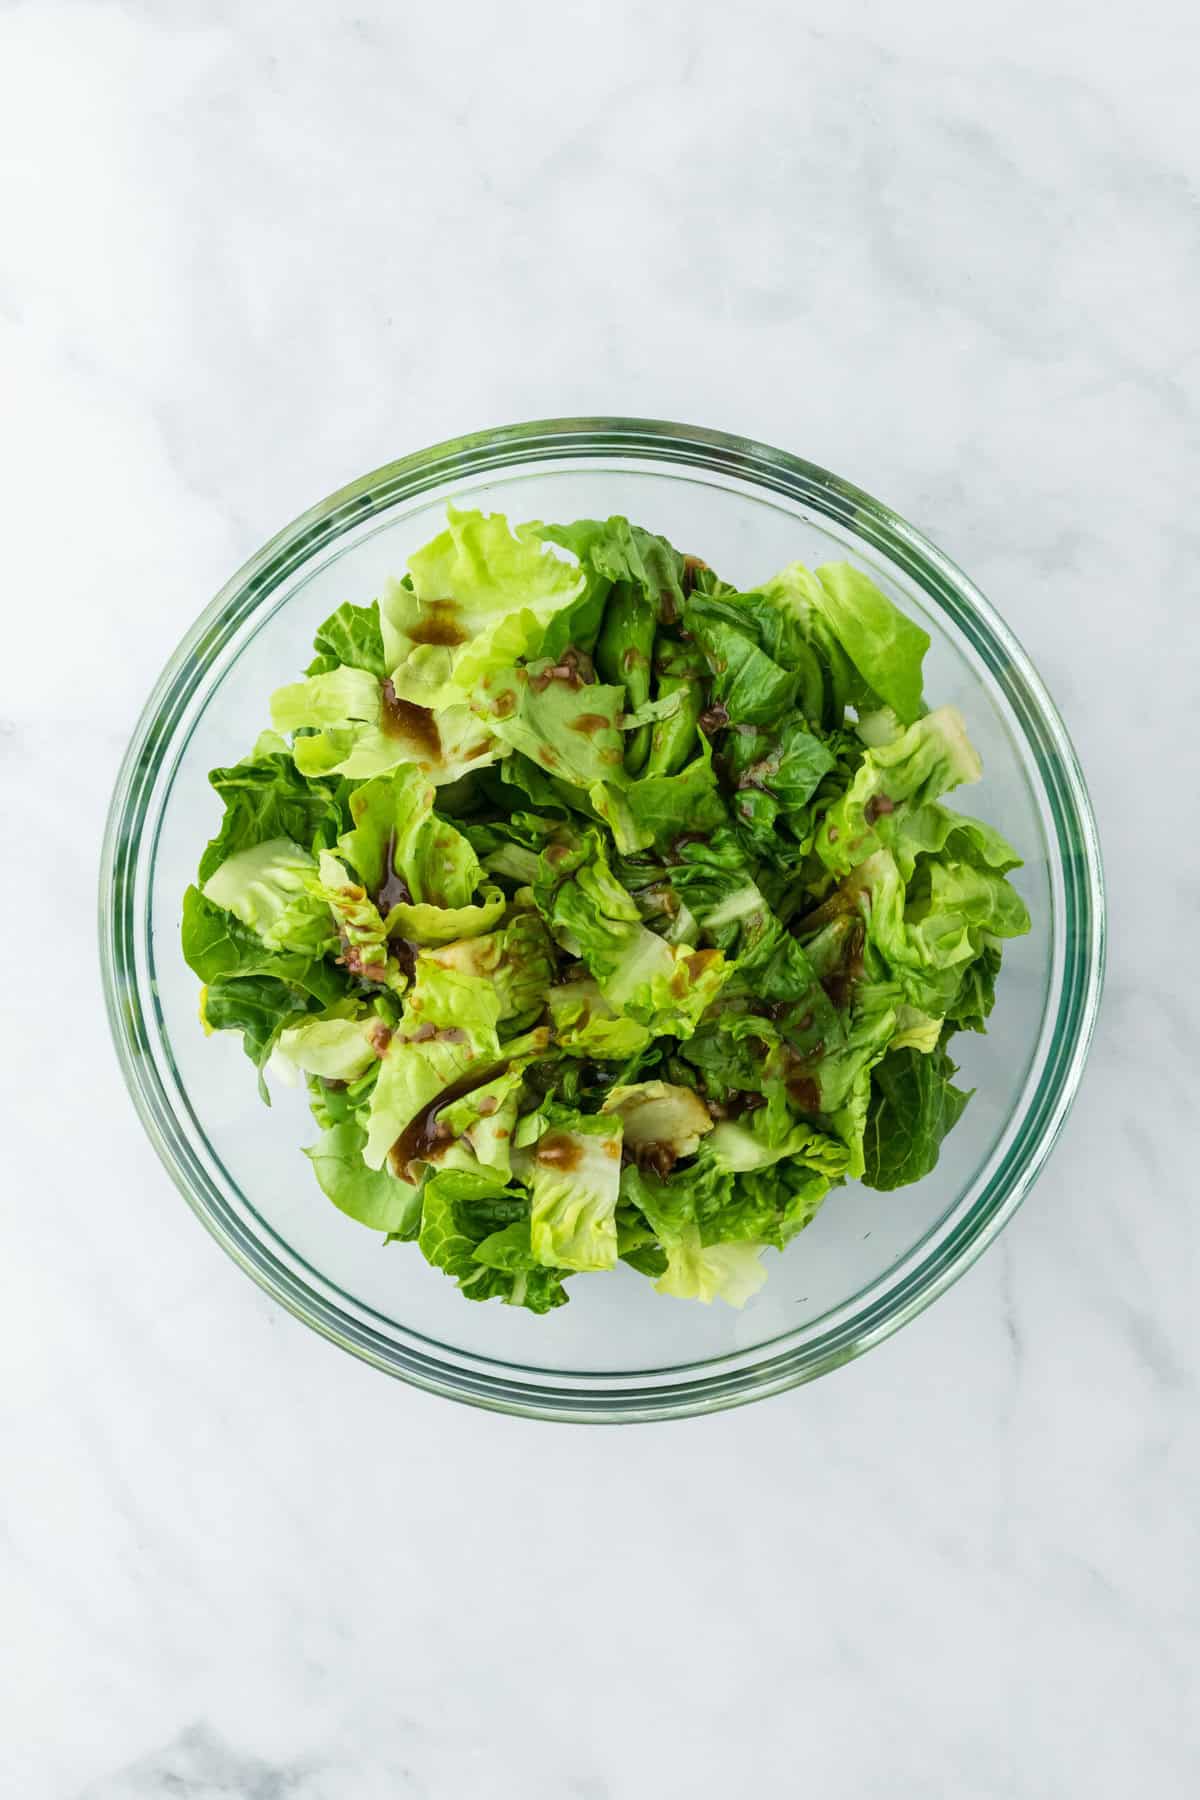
[619,1351]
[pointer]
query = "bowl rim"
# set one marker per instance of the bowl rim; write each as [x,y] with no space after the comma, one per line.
[692,1388]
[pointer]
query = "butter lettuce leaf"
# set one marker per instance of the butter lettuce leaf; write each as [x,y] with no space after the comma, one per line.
[477,1230]
[574,1181]
[663,986]
[265,798]
[914,1103]
[375,1198]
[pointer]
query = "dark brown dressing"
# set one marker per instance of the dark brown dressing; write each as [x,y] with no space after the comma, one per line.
[416,724]
[351,959]
[405,954]
[438,624]
[574,667]
[425,1132]
[393,889]
[692,565]
[804,1093]
[659,1158]
[839,981]
[559,1151]
[743,1100]
[699,961]
[427,1031]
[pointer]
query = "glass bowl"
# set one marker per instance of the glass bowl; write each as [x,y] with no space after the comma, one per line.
[619,1351]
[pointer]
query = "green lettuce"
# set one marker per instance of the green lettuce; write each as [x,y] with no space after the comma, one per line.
[374,1198]
[914,1103]
[663,986]
[270,889]
[338,1046]
[604,910]
[574,1180]
[884,645]
[750,687]
[930,758]
[398,836]
[351,637]
[216,945]
[730,1271]
[448,1038]
[360,928]
[654,810]
[477,1230]
[266,798]
[573,729]
[586,1025]
[491,591]
[659,1117]
[260,1007]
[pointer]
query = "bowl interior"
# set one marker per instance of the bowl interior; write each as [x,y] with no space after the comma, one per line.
[864,1251]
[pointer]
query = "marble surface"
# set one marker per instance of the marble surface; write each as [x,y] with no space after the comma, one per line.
[252,250]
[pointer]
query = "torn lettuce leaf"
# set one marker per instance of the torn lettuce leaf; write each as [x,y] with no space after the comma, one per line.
[351,638]
[930,758]
[270,889]
[260,1007]
[476,1230]
[340,1045]
[574,1180]
[399,844]
[375,1198]
[662,986]
[914,1103]
[216,944]
[481,595]
[729,1271]
[659,1117]
[266,798]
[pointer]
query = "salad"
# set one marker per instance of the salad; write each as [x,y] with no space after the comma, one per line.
[608,912]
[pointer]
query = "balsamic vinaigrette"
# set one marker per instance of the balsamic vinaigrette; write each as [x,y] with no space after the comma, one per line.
[839,981]
[439,624]
[574,668]
[558,1150]
[416,724]
[393,890]
[425,1131]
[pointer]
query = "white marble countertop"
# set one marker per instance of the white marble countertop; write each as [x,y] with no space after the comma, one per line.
[250,251]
